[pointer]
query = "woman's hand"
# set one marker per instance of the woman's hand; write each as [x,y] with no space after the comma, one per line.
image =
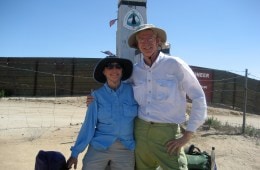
[72,161]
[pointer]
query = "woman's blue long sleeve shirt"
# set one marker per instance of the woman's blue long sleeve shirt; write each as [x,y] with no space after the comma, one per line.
[109,117]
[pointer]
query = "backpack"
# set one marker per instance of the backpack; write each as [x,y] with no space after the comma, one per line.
[50,160]
[197,160]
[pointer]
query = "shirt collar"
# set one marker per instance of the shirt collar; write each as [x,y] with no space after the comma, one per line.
[109,90]
[158,59]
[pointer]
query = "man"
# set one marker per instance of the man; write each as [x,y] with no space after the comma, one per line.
[161,83]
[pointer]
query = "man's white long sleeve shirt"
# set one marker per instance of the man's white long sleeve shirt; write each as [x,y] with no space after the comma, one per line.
[161,91]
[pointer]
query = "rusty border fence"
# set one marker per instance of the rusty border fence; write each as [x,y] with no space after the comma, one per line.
[40,77]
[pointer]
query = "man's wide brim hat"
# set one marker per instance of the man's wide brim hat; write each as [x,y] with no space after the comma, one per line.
[126,64]
[132,42]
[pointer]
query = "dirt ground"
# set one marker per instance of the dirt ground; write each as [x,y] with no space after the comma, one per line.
[30,125]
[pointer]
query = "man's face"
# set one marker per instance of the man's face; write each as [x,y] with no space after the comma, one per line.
[147,42]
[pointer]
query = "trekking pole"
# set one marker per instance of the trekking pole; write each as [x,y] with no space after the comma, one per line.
[213,162]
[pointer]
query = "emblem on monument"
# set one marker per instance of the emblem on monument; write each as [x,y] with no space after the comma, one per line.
[132,19]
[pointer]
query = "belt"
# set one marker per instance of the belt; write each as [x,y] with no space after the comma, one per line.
[156,123]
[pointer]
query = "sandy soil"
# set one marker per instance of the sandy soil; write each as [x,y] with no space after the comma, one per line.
[52,124]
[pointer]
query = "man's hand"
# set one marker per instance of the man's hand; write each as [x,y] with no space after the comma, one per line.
[89,100]
[174,145]
[72,161]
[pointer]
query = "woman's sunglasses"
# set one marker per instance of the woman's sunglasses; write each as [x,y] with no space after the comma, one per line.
[110,66]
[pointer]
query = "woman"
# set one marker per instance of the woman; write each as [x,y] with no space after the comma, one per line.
[109,122]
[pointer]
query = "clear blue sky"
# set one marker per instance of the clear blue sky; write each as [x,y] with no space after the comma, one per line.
[217,34]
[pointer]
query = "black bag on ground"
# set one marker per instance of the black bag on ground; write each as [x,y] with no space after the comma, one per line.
[197,160]
[50,160]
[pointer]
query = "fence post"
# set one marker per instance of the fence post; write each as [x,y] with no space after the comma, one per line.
[35,78]
[72,77]
[234,93]
[55,86]
[245,103]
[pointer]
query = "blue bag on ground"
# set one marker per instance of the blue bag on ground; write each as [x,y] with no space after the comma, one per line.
[50,160]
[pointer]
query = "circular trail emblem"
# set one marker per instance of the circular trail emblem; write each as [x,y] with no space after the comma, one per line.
[133,19]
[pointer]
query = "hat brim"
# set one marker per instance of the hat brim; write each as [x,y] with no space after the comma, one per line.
[126,64]
[132,42]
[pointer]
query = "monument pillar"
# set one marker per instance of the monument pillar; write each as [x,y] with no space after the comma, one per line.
[131,14]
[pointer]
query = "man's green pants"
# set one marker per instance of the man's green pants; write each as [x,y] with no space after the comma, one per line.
[151,151]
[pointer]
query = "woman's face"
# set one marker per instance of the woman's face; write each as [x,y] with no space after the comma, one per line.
[113,72]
